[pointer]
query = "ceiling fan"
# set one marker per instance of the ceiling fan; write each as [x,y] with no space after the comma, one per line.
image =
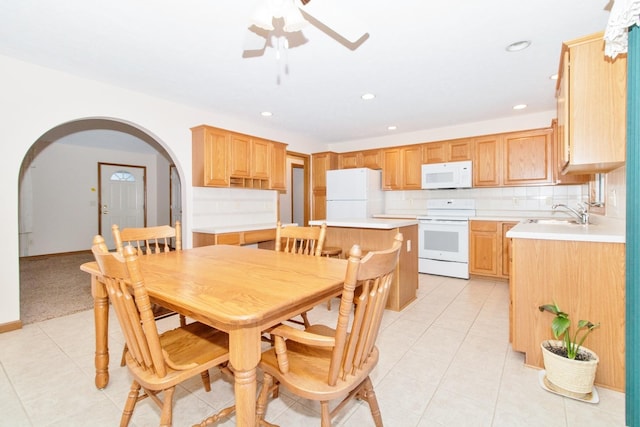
[286,18]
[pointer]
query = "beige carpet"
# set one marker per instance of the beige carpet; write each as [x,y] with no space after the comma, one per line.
[53,286]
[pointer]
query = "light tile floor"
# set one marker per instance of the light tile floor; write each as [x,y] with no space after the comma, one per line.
[445,361]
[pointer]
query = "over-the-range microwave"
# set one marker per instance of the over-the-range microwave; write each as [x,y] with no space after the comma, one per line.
[447,175]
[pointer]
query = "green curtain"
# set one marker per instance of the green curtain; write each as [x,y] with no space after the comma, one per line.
[633,232]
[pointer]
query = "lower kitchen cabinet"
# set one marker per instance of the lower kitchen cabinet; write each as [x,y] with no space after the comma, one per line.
[587,280]
[234,238]
[489,248]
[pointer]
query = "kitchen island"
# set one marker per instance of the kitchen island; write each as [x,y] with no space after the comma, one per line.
[375,234]
[582,269]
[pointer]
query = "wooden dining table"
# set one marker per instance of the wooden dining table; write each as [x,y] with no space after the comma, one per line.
[240,290]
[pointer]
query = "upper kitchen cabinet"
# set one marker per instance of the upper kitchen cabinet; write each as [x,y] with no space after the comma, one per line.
[401,168]
[371,159]
[528,157]
[350,160]
[513,159]
[222,158]
[558,176]
[454,150]
[487,161]
[210,154]
[320,164]
[278,173]
[591,97]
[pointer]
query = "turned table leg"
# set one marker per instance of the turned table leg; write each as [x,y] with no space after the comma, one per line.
[101,319]
[244,355]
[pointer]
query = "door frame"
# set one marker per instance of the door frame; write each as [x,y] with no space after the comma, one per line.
[306,160]
[144,191]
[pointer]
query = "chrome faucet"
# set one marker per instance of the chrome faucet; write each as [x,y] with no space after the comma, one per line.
[582,213]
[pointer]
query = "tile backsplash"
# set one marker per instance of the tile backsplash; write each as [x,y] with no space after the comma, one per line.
[223,207]
[505,201]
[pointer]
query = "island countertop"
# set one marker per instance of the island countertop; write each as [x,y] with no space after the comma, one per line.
[374,223]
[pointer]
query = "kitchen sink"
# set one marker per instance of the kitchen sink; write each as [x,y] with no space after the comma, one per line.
[554,221]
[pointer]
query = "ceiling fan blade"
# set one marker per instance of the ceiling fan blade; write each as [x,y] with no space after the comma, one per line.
[255,39]
[331,14]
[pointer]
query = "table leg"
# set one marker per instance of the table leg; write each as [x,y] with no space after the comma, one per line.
[244,355]
[101,319]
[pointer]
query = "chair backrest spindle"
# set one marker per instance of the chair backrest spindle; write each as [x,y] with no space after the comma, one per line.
[148,240]
[372,275]
[300,240]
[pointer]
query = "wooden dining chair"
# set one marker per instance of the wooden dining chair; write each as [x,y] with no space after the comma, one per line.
[149,241]
[300,240]
[157,362]
[323,364]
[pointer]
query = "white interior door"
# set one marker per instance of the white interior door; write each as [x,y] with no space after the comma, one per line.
[122,198]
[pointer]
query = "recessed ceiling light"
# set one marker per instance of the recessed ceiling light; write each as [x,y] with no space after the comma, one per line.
[554,76]
[520,107]
[522,44]
[392,127]
[368,96]
[266,114]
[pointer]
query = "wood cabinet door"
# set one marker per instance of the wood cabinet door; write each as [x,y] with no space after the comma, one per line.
[434,152]
[391,169]
[597,107]
[411,167]
[319,203]
[527,158]
[459,150]
[260,158]
[320,164]
[350,160]
[372,159]
[210,157]
[278,166]
[506,248]
[483,244]
[487,168]
[240,155]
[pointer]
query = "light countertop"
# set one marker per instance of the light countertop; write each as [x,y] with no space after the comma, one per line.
[601,229]
[218,229]
[375,223]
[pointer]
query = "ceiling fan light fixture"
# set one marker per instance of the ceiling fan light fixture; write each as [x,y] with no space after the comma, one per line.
[262,16]
[293,19]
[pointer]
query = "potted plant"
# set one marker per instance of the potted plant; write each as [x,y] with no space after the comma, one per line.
[570,367]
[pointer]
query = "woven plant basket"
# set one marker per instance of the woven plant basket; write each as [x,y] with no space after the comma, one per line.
[566,375]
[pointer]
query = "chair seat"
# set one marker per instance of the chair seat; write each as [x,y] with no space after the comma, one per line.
[195,344]
[331,251]
[309,369]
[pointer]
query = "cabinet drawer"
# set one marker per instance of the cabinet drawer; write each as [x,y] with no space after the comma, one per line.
[228,239]
[491,226]
[259,236]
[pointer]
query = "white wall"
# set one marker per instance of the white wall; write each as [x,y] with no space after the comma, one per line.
[511,124]
[35,100]
[64,180]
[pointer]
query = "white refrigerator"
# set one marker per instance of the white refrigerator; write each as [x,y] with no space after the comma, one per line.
[354,193]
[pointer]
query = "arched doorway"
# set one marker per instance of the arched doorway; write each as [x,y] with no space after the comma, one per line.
[59,206]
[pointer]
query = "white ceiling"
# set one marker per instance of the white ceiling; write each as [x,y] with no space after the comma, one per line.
[431,64]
